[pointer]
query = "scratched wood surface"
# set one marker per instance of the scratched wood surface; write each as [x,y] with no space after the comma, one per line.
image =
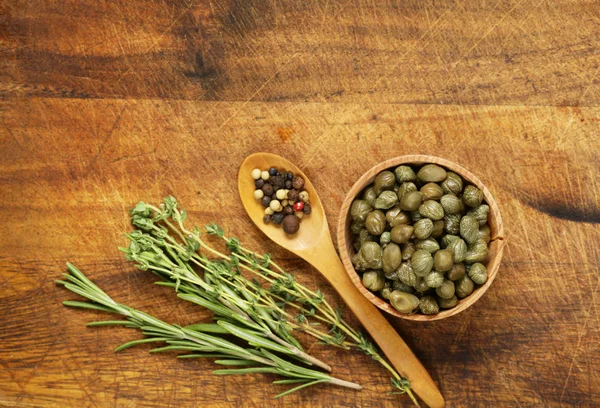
[106,103]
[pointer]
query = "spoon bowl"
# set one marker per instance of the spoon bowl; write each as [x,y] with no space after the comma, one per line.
[313,243]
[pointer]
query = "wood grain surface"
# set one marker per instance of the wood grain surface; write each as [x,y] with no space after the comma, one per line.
[105,103]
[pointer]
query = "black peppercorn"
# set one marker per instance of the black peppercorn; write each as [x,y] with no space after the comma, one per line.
[267,219]
[298,183]
[307,209]
[288,210]
[288,184]
[267,189]
[291,224]
[265,201]
[293,195]
[272,171]
[278,182]
[277,218]
[289,176]
[259,183]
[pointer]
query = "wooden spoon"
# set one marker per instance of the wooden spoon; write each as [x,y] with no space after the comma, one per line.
[313,244]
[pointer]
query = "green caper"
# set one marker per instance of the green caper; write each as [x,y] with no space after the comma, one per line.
[438,229]
[447,239]
[430,245]
[472,196]
[398,285]
[406,274]
[421,262]
[405,188]
[452,223]
[451,204]
[477,252]
[485,233]
[387,199]
[364,236]
[370,255]
[458,248]
[375,222]
[369,195]
[428,305]
[453,183]
[411,200]
[373,280]
[401,233]
[448,303]
[432,210]
[355,227]
[356,260]
[464,287]
[421,285]
[480,213]
[415,216]
[384,181]
[359,210]
[386,291]
[469,229]
[434,279]
[446,290]
[423,228]
[442,260]
[478,273]
[432,191]
[458,271]
[407,250]
[403,302]
[385,238]
[395,216]
[391,258]
[405,173]
[431,173]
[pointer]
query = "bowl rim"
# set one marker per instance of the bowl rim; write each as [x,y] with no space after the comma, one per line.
[497,240]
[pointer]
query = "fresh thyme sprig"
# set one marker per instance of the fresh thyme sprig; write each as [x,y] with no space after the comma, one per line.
[200,340]
[271,297]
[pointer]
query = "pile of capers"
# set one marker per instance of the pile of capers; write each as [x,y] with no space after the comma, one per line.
[421,238]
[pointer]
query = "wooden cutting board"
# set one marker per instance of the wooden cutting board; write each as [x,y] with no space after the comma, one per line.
[107,103]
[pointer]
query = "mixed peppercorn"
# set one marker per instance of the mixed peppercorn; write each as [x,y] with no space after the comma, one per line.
[282,195]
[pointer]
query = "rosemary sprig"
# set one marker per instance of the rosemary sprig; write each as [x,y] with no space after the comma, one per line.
[269,298]
[200,340]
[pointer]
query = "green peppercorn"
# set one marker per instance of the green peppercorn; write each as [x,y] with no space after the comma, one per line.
[397,285]
[446,290]
[472,196]
[431,173]
[448,303]
[478,273]
[395,216]
[406,274]
[469,229]
[453,183]
[385,238]
[407,250]
[369,195]
[451,204]
[458,248]
[405,173]
[391,258]
[452,223]
[434,279]
[411,200]
[430,245]
[423,228]
[438,229]
[480,213]
[458,271]
[359,210]
[442,260]
[373,280]
[384,181]
[477,252]
[421,262]
[370,255]
[432,191]
[431,209]
[375,222]
[464,287]
[404,302]
[387,199]
[485,233]
[428,305]
[401,233]
[405,188]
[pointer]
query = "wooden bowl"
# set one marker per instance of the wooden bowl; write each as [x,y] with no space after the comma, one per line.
[344,235]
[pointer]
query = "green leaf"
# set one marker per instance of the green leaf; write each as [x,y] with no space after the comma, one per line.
[283,394]
[207,355]
[207,328]
[236,362]
[87,305]
[125,323]
[251,370]
[136,342]
[253,338]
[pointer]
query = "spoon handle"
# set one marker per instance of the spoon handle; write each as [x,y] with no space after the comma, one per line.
[390,342]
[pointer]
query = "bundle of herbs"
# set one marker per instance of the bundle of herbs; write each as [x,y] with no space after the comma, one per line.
[253,300]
